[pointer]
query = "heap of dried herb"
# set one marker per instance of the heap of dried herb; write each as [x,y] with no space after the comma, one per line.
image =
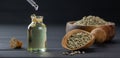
[78,39]
[90,20]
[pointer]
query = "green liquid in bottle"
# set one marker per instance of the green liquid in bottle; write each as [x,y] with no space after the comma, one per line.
[36,35]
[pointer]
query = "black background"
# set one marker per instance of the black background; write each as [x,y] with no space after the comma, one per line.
[15,17]
[58,11]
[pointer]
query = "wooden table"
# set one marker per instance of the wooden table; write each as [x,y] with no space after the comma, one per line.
[54,48]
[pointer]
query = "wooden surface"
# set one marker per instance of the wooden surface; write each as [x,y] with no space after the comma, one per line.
[54,48]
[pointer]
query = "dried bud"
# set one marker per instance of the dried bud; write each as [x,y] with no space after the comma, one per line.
[15,43]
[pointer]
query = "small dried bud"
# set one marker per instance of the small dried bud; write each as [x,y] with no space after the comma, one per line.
[83,52]
[15,43]
[65,53]
[71,54]
[78,52]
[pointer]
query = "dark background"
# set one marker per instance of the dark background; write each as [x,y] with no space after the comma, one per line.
[15,17]
[58,11]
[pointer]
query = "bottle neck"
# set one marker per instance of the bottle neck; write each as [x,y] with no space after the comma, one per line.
[37,19]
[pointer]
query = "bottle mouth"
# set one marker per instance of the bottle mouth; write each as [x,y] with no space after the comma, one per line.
[36,18]
[33,16]
[39,17]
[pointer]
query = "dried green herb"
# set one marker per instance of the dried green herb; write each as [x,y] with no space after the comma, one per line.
[90,20]
[71,53]
[78,40]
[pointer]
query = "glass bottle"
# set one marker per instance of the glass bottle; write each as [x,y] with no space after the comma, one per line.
[36,34]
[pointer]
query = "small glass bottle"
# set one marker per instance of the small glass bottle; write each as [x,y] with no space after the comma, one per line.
[36,35]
